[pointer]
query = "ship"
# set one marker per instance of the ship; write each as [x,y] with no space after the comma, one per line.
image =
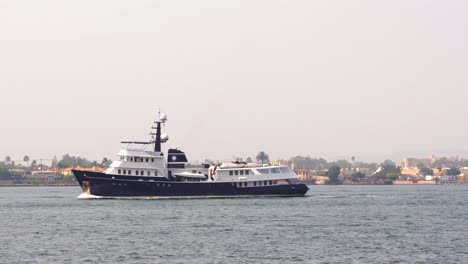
[143,170]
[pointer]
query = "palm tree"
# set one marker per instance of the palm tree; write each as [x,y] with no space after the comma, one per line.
[263,157]
[7,160]
[26,159]
[34,163]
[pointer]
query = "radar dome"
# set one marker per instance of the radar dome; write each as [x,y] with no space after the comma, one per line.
[164,138]
[163,117]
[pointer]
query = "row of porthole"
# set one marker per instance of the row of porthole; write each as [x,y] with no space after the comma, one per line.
[158,185]
[254,184]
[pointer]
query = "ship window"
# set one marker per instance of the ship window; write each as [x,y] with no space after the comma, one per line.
[284,170]
[142,173]
[194,171]
[245,184]
[129,172]
[137,173]
[147,160]
[263,171]
[275,170]
[152,159]
[124,171]
[255,183]
[131,159]
[265,183]
[155,173]
[236,172]
[241,172]
[148,173]
[247,172]
[231,173]
[271,182]
[119,171]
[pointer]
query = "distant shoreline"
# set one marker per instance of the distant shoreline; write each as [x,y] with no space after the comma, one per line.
[41,185]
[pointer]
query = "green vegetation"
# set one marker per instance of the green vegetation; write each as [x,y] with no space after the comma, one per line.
[263,157]
[426,171]
[453,172]
[333,173]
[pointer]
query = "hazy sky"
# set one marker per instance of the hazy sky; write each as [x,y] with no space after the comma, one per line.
[330,79]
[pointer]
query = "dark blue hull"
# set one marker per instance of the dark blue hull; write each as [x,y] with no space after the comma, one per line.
[105,185]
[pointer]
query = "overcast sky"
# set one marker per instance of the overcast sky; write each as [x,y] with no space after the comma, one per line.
[331,79]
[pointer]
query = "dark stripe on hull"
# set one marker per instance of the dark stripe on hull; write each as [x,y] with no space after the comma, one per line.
[105,185]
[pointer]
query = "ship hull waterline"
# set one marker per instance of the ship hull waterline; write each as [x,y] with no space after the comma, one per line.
[101,185]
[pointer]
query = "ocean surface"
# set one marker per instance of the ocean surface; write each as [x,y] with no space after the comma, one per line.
[333,224]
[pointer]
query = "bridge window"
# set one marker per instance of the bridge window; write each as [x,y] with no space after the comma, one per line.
[275,170]
[231,173]
[241,172]
[131,159]
[247,172]
[236,172]
[264,171]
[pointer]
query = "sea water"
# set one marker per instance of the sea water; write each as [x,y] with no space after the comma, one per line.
[333,224]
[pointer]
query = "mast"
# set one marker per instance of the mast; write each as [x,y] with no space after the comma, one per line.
[157,142]
[160,138]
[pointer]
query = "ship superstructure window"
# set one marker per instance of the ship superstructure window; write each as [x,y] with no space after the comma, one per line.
[247,172]
[236,172]
[241,172]
[147,160]
[118,171]
[271,182]
[129,172]
[275,170]
[155,173]
[124,171]
[284,170]
[265,183]
[131,159]
[137,173]
[245,184]
[264,171]
[142,173]
[231,173]
[148,173]
[255,183]
[152,159]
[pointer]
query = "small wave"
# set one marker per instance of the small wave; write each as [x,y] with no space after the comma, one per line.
[88,196]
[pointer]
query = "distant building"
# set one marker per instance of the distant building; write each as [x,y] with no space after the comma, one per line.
[413,171]
[45,176]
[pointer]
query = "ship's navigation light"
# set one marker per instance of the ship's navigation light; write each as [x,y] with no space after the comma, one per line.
[163,118]
[164,138]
